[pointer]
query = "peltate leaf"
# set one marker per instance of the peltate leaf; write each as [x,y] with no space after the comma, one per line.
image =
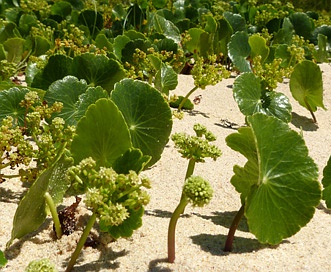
[15,49]
[147,115]
[258,47]
[326,181]
[166,79]
[97,70]
[236,21]
[324,30]
[67,91]
[239,50]
[119,43]
[194,44]
[101,134]
[306,85]
[251,98]
[132,159]
[164,26]
[321,55]
[10,104]
[92,20]
[133,222]
[57,67]
[303,24]
[90,96]
[279,183]
[40,45]
[130,48]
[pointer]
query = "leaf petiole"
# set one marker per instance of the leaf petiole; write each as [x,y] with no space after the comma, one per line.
[233,228]
[186,97]
[55,216]
[81,242]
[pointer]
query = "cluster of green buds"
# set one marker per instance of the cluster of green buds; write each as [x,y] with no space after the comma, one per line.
[43,265]
[35,139]
[7,69]
[207,71]
[110,195]
[16,150]
[270,73]
[197,147]
[40,6]
[197,191]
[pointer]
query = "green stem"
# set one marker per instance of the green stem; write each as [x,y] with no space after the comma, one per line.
[55,216]
[233,228]
[186,97]
[81,242]
[190,168]
[310,110]
[172,228]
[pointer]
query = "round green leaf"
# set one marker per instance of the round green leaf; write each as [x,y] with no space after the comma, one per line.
[57,67]
[237,22]
[92,20]
[25,23]
[15,49]
[90,96]
[119,43]
[164,26]
[279,181]
[306,85]
[326,181]
[239,50]
[147,115]
[10,104]
[258,47]
[250,97]
[97,70]
[61,8]
[40,45]
[67,91]
[194,44]
[133,222]
[130,48]
[101,134]
[166,79]
[326,31]
[303,24]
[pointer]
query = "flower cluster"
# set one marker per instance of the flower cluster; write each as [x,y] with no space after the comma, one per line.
[198,191]
[197,147]
[110,195]
[36,140]
[207,71]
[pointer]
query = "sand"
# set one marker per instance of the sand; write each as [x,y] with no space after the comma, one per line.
[201,232]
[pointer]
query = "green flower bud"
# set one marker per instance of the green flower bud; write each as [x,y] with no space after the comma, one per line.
[43,265]
[198,191]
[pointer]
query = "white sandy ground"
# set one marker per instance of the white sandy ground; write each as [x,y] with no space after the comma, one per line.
[201,232]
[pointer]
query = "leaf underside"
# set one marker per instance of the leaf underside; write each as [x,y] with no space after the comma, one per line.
[306,85]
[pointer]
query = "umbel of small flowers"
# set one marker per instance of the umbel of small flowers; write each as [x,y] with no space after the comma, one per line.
[196,190]
[112,197]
